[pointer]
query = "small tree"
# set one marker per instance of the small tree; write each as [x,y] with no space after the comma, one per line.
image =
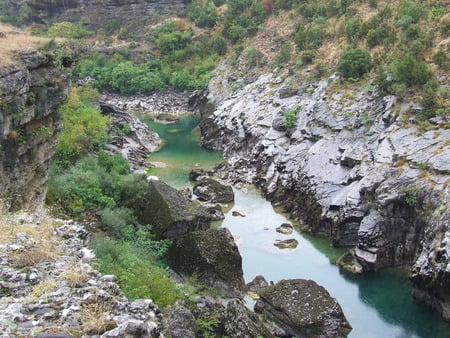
[354,63]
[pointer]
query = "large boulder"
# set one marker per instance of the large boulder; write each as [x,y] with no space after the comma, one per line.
[232,318]
[213,191]
[169,212]
[212,256]
[303,308]
[179,322]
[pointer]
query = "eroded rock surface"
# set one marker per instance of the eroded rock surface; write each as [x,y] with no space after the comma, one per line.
[212,256]
[302,309]
[31,92]
[169,212]
[213,191]
[350,167]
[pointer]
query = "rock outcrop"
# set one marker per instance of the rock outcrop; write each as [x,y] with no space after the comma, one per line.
[31,92]
[302,309]
[130,137]
[169,212]
[351,167]
[213,191]
[212,256]
[48,286]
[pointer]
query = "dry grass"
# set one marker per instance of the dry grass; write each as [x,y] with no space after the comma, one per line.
[96,318]
[76,274]
[41,242]
[41,289]
[14,39]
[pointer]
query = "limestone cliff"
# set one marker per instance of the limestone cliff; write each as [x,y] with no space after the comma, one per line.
[31,91]
[350,167]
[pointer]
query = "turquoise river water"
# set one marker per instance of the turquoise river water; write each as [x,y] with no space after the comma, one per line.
[375,304]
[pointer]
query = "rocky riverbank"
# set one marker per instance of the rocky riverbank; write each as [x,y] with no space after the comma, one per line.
[49,286]
[354,166]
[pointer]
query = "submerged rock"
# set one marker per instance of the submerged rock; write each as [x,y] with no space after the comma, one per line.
[302,308]
[286,244]
[213,191]
[170,213]
[285,229]
[238,213]
[212,256]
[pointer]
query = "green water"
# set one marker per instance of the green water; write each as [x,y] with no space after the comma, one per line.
[376,305]
[181,151]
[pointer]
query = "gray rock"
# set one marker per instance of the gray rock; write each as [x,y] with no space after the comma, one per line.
[212,255]
[286,244]
[169,212]
[285,229]
[213,191]
[179,322]
[303,309]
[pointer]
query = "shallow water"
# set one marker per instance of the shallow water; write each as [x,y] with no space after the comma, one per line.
[376,305]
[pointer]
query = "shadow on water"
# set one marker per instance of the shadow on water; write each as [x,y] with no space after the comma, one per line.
[376,304]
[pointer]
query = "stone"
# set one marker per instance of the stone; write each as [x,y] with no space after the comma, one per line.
[285,229]
[169,212]
[212,256]
[238,213]
[303,308]
[213,191]
[258,284]
[179,322]
[286,244]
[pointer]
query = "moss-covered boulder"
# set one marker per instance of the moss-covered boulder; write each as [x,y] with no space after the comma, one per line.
[212,256]
[169,212]
[302,308]
[213,191]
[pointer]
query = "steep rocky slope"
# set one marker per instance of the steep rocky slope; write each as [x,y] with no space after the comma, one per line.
[31,91]
[351,167]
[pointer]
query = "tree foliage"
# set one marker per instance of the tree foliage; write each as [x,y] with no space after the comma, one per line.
[354,63]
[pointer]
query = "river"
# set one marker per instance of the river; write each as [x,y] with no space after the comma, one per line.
[375,304]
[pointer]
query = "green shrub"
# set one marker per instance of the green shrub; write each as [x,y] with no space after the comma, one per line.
[290,117]
[414,9]
[85,128]
[410,71]
[284,56]
[353,29]
[429,96]
[444,27]
[307,56]
[68,30]
[255,58]
[310,37]
[440,58]
[203,14]
[139,276]
[354,63]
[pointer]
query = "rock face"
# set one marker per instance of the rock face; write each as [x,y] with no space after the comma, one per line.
[350,168]
[179,322]
[131,138]
[58,292]
[302,309]
[31,92]
[213,191]
[169,212]
[134,15]
[212,256]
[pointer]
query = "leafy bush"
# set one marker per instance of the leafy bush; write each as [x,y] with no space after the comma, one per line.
[85,128]
[444,27]
[410,71]
[354,63]
[68,30]
[353,29]
[284,56]
[290,117]
[255,58]
[310,37]
[440,58]
[138,274]
[203,13]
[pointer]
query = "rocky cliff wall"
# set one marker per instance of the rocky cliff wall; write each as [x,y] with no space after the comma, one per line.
[31,92]
[107,14]
[349,166]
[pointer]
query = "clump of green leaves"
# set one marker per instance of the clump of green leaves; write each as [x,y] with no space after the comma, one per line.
[137,269]
[85,128]
[68,30]
[354,63]
[290,117]
[411,195]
